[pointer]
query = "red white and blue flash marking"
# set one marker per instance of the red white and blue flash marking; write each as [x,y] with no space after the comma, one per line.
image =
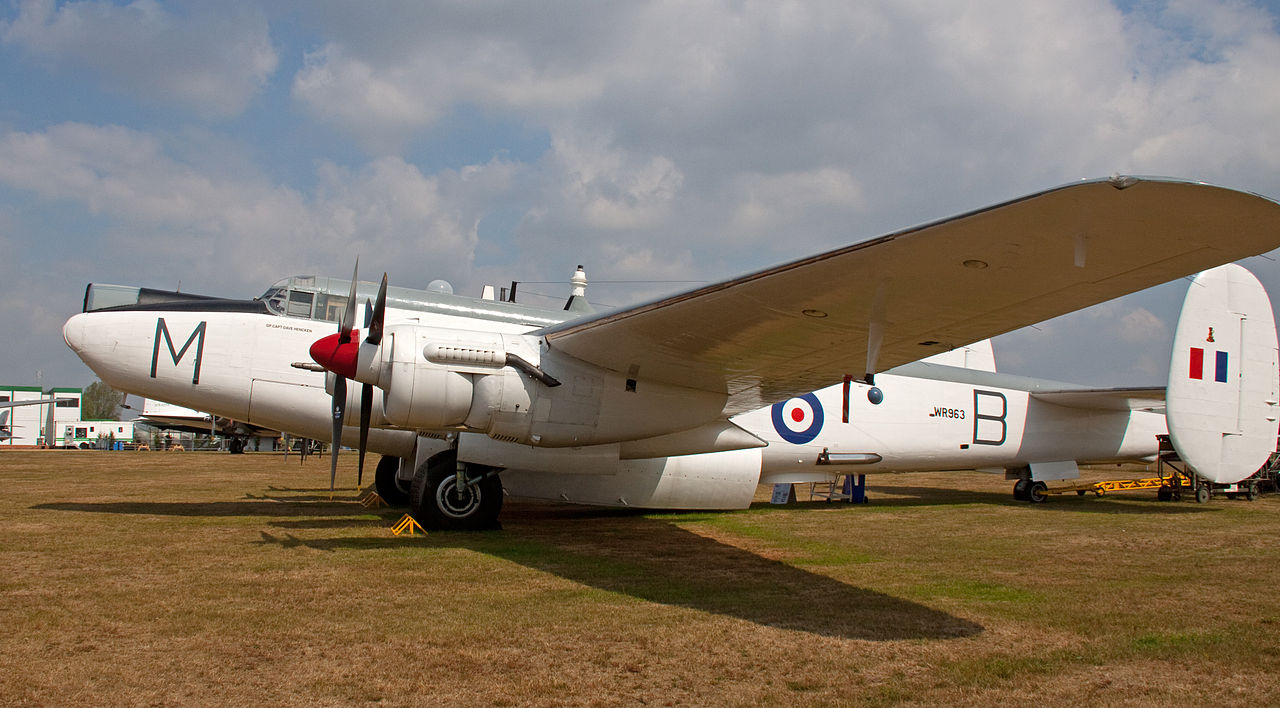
[798,420]
[1198,364]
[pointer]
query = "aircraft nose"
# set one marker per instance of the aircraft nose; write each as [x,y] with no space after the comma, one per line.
[73,333]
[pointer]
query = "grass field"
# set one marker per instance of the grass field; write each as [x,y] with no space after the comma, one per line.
[177,578]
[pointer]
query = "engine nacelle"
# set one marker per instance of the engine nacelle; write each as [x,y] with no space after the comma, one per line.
[430,375]
[513,388]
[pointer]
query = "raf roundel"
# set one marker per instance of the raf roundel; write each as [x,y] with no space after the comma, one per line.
[798,420]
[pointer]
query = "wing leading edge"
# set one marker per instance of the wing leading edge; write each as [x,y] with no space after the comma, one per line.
[799,326]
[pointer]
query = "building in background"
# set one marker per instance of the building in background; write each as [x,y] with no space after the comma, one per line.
[24,426]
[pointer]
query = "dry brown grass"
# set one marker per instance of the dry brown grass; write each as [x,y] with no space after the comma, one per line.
[175,578]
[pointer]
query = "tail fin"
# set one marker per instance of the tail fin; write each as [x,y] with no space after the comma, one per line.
[1221,403]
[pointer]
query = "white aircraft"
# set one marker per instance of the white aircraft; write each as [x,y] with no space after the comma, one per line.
[692,400]
[166,416]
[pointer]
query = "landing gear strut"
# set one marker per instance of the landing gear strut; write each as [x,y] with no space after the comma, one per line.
[438,500]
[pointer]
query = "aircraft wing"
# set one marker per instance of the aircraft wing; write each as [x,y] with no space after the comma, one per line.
[796,327]
[36,402]
[1118,399]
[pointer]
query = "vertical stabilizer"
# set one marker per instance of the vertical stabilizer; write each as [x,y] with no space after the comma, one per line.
[1222,395]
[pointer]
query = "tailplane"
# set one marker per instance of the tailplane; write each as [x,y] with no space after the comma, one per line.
[1221,403]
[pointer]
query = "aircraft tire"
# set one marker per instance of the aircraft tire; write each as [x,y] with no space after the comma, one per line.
[387,485]
[436,504]
[1036,494]
[1021,489]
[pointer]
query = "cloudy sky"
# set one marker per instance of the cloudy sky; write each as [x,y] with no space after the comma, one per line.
[221,146]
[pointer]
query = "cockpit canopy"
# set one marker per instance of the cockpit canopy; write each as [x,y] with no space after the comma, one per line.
[323,298]
[314,297]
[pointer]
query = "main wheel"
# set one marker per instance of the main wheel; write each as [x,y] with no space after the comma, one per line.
[1021,488]
[1202,493]
[437,502]
[1037,493]
[386,484]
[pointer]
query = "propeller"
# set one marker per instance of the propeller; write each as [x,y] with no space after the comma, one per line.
[339,353]
[366,391]
[340,381]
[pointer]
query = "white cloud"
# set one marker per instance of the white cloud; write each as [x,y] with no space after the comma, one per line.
[390,210]
[767,203]
[246,231]
[686,141]
[611,189]
[213,59]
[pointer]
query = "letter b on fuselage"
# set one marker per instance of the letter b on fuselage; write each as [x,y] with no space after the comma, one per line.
[989,411]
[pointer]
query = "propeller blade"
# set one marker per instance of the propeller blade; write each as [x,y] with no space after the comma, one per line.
[366,411]
[379,313]
[339,412]
[349,316]
[340,380]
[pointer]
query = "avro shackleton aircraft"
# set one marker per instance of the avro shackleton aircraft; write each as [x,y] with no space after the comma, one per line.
[691,400]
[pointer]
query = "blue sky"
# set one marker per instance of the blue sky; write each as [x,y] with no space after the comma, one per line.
[222,146]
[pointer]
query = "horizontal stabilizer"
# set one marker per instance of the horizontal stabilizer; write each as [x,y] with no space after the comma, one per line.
[1107,399]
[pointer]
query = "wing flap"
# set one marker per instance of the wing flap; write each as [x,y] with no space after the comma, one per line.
[794,328]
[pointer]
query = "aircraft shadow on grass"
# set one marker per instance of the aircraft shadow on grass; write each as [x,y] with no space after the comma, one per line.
[651,559]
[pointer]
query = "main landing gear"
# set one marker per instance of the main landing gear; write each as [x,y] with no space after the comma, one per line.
[451,496]
[1026,490]
[392,490]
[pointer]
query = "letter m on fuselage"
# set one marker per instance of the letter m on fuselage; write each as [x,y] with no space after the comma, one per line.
[197,336]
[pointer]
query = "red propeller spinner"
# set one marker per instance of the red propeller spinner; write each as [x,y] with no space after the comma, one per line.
[337,352]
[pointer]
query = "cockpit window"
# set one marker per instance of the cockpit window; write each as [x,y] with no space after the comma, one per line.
[274,298]
[334,308]
[300,304]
